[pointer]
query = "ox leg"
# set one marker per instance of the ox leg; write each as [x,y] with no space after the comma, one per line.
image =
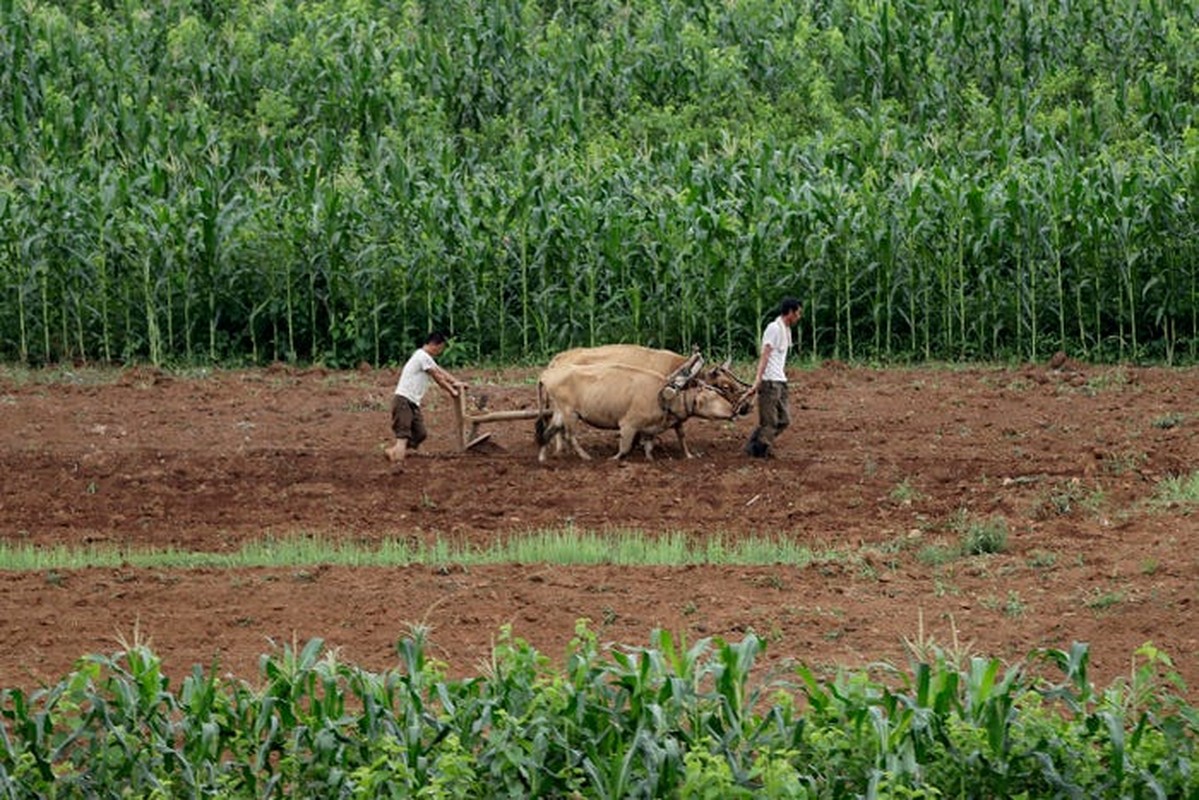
[574,442]
[628,437]
[648,444]
[678,430]
[568,433]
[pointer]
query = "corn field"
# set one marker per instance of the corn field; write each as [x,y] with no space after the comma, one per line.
[668,720]
[231,181]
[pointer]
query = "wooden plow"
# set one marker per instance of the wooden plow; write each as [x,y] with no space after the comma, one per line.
[468,437]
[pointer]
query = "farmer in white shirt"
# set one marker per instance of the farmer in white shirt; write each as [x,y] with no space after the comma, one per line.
[407,423]
[770,383]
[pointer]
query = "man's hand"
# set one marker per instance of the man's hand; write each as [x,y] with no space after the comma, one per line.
[448,382]
[743,403]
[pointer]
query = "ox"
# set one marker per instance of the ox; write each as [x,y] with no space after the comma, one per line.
[666,362]
[634,400]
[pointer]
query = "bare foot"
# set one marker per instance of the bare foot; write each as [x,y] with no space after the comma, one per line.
[397,451]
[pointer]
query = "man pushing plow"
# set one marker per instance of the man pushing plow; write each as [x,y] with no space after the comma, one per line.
[407,421]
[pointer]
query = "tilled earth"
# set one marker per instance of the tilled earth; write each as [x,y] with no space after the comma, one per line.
[879,476]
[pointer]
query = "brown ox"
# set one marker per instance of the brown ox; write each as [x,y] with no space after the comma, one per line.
[621,397]
[666,362]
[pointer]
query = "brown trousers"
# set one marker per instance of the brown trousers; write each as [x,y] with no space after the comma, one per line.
[407,422]
[773,417]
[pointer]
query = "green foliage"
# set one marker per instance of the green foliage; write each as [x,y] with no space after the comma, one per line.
[984,536]
[1178,490]
[327,181]
[669,720]
[1065,498]
[568,545]
[905,493]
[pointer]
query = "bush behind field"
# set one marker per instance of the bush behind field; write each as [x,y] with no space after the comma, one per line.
[662,721]
[255,181]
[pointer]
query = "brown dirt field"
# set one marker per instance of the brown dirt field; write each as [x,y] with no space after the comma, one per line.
[876,468]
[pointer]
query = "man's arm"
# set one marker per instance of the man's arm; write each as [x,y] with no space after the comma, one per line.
[762,361]
[447,381]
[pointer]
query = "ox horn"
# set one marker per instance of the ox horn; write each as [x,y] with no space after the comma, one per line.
[727,367]
[689,369]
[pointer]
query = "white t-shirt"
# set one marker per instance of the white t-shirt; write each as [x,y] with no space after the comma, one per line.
[414,379]
[778,336]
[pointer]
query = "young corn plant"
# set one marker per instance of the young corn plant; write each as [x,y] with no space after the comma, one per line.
[650,721]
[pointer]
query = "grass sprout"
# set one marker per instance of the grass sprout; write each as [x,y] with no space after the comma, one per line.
[566,546]
[984,536]
[1178,490]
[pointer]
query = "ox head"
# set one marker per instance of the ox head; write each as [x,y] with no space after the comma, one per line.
[724,380]
[708,402]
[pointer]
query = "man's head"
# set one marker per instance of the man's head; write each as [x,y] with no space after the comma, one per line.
[790,310]
[435,343]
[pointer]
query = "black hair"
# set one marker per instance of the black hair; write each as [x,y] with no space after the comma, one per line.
[788,305]
[436,337]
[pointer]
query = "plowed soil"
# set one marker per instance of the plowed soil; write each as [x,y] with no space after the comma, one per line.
[881,475]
